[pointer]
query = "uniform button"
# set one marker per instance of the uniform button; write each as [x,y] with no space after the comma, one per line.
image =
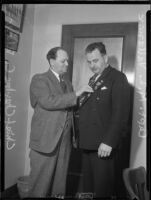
[97,98]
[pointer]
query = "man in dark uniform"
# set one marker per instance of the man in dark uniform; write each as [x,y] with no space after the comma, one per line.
[103,117]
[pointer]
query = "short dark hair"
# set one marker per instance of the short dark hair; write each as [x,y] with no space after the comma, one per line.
[96,45]
[52,53]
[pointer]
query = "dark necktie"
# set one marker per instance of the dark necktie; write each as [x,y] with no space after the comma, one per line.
[62,83]
[92,80]
[83,98]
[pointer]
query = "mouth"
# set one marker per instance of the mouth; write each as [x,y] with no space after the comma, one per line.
[65,70]
[94,70]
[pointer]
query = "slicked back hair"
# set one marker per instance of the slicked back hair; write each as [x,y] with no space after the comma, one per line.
[52,53]
[96,45]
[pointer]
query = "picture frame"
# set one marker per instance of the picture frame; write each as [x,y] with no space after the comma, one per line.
[14,16]
[11,40]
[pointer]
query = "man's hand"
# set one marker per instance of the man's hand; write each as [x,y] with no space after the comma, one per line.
[74,142]
[85,88]
[104,150]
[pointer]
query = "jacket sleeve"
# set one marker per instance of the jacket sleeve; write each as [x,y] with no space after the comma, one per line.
[120,100]
[41,94]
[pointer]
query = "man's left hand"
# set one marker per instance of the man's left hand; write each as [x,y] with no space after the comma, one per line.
[74,143]
[104,150]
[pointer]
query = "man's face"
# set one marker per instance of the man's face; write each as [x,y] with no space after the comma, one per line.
[96,61]
[60,64]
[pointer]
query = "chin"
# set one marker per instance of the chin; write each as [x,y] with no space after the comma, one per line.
[96,72]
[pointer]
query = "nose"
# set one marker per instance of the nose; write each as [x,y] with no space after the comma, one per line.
[92,65]
[66,63]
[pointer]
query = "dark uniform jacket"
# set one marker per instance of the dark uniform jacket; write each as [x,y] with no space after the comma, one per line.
[103,117]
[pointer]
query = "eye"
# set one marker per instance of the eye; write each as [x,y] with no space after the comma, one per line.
[63,61]
[95,60]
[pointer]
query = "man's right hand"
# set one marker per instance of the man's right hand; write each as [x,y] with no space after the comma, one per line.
[85,88]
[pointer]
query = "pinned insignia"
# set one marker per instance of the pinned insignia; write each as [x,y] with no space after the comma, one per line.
[97,85]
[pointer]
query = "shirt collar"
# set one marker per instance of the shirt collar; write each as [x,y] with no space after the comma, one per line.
[56,74]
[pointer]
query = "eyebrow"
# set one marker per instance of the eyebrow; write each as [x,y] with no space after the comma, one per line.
[92,60]
[66,59]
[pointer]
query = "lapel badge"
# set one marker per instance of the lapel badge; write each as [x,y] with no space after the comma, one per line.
[97,84]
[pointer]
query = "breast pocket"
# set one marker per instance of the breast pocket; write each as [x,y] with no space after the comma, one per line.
[103,96]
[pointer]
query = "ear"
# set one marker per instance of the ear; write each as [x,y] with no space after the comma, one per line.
[106,58]
[52,62]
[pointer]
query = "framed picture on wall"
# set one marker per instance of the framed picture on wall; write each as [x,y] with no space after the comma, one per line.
[14,15]
[11,40]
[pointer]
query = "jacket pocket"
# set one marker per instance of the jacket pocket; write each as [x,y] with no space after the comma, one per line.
[37,129]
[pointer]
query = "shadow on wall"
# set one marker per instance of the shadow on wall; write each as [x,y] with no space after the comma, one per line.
[138,109]
[131,143]
[113,61]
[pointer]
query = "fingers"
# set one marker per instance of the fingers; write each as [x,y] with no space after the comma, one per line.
[104,153]
[104,150]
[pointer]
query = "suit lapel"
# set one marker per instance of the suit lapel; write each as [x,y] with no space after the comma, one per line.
[100,80]
[56,83]
[54,80]
[68,87]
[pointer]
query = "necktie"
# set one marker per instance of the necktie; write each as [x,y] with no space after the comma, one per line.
[92,80]
[84,96]
[62,84]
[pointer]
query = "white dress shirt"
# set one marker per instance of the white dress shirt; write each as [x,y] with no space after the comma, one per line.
[56,74]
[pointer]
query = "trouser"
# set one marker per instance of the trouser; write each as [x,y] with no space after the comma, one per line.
[49,170]
[98,174]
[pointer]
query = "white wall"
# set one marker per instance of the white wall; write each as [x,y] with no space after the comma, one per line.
[16,130]
[138,145]
[47,34]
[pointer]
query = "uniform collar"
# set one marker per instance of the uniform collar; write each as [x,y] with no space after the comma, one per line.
[105,72]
